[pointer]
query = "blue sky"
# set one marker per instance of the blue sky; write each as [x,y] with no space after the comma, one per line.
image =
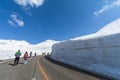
[37,20]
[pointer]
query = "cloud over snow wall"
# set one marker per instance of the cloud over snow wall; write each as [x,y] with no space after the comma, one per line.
[99,52]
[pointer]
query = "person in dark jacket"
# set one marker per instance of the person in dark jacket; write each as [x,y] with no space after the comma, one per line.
[35,54]
[17,57]
[30,55]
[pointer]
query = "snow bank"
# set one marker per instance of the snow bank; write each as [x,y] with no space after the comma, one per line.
[99,52]
[9,47]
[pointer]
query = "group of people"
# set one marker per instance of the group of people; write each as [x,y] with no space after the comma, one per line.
[25,57]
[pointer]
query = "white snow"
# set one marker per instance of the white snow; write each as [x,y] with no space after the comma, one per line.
[9,47]
[98,52]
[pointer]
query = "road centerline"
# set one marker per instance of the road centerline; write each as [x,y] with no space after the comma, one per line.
[42,70]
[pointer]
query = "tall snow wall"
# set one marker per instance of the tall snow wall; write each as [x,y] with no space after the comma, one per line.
[99,52]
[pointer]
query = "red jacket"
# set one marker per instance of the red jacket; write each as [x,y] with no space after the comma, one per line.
[26,55]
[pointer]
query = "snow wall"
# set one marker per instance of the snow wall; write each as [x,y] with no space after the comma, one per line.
[99,52]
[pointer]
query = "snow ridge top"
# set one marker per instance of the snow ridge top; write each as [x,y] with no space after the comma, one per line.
[110,29]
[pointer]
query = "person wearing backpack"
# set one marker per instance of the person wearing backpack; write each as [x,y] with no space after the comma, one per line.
[25,57]
[17,57]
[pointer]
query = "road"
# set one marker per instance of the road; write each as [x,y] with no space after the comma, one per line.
[57,72]
[19,72]
[44,70]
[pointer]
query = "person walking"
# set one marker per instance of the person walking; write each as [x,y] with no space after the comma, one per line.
[17,57]
[31,55]
[25,57]
[35,54]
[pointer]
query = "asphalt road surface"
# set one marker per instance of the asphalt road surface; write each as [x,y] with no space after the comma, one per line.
[57,72]
[44,70]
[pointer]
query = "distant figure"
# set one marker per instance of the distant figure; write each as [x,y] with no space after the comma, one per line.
[25,57]
[31,55]
[9,57]
[17,57]
[35,54]
[48,53]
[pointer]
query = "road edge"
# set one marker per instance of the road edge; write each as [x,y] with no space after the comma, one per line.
[94,74]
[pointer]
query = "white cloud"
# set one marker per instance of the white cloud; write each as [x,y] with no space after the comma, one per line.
[116,3]
[11,23]
[15,20]
[27,11]
[32,3]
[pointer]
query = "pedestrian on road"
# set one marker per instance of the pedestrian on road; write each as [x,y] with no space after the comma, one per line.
[35,54]
[17,57]
[31,55]
[25,57]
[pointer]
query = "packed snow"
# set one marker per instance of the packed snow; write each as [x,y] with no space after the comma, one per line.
[8,48]
[98,52]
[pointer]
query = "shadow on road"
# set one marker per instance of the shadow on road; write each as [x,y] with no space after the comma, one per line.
[21,63]
[100,76]
[11,64]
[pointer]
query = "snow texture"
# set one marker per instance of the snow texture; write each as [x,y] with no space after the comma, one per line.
[8,48]
[98,52]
